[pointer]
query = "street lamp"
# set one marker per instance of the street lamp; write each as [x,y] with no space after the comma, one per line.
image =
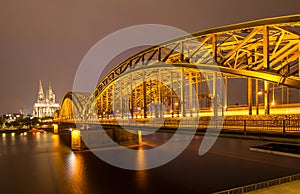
[273,97]
[260,92]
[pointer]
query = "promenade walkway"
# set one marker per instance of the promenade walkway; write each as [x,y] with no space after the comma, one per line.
[286,188]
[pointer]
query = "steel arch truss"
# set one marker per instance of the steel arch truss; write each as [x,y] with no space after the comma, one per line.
[75,105]
[157,92]
[266,49]
[173,77]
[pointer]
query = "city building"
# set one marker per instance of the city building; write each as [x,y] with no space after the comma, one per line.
[11,117]
[45,105]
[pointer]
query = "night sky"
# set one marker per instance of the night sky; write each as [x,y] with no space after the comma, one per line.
[47,39]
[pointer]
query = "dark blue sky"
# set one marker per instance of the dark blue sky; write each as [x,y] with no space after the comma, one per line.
[47,39]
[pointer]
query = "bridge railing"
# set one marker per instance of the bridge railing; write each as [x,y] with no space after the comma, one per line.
[266,126]
[283,126]
[261,185]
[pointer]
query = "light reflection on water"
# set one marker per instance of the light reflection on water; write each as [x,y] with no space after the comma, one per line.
[32,164]
[3,139]
[75,171]
[13,138]
[141,175]
[140,162]
[55,139]
[42,163]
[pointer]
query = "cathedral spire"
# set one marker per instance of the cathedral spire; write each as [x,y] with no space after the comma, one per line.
[50,89]
[50,94]
[41,97]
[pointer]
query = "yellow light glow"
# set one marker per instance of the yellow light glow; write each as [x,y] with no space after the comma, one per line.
[260,92]
[140,136]
[75,133]
[75,140]
[55,128]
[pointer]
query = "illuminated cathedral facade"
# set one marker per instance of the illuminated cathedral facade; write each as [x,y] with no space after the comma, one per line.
[45,105]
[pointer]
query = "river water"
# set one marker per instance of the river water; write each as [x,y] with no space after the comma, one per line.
[41,163]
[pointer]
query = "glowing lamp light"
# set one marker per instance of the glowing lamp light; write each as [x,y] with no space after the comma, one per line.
[75,133]
[260,92]
[273,103]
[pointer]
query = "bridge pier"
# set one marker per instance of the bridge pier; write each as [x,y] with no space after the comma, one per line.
[91,136]
[76,142]
[55,128]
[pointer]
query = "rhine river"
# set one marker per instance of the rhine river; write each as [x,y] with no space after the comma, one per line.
[41,163]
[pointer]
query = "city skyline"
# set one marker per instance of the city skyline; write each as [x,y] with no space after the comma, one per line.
[47,40]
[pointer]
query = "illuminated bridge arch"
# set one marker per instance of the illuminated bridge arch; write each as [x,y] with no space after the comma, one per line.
[266,50]
[170,76]
[75,105]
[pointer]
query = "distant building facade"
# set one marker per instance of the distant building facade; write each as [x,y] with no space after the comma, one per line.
[45,105]
[11,117]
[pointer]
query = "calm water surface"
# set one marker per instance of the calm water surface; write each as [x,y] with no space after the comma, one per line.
[41,163]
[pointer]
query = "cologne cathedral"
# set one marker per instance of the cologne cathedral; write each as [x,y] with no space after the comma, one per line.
[45,105]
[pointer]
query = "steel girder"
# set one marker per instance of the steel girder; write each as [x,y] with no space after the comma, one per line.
[155,91]
[74,104]
[267,49]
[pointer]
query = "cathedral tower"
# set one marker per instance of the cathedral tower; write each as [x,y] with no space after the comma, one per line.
[45,107]
[50,96]
[41,96]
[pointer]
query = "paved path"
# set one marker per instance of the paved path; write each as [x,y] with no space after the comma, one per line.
[286,188]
